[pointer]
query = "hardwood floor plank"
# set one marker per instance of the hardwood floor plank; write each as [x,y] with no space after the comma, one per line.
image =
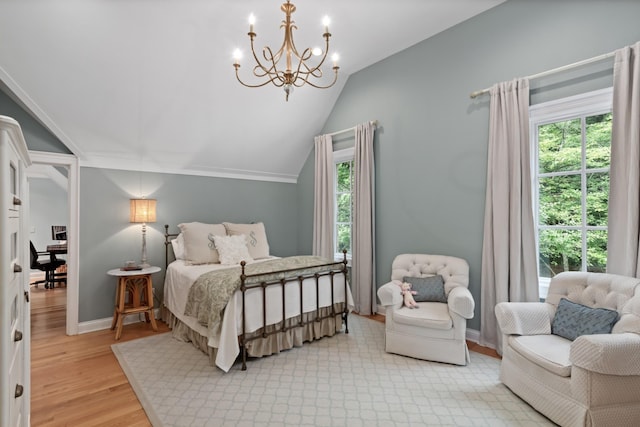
[77,381]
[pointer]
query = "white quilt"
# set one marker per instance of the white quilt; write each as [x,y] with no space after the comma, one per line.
[179,278]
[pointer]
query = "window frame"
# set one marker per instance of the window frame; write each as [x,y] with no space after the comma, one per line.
[340,156]
[577,106]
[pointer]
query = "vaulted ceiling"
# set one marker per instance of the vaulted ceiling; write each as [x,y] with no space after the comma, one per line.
[149,84]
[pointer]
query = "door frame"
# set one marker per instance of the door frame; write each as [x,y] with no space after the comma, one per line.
[70,162]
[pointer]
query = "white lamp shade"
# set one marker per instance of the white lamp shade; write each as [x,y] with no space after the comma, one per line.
[142,210]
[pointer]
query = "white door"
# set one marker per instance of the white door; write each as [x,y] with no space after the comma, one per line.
[14,322]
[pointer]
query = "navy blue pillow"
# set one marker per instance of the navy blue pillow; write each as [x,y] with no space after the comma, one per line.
[427,288]
[572,320]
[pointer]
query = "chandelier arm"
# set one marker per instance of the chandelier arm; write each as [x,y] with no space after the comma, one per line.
[335,79]
[299,72]
[292,43]
[255,57]
[316,71]
[276,78]
[273,58]
[301,81]
[271,80]
[266,71]
[324,56]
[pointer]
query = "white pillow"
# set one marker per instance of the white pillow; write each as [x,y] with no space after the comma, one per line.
[256,237]
[178,246]
[232,249]
[199,247]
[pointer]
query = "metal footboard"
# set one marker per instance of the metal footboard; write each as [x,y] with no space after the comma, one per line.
[332,269]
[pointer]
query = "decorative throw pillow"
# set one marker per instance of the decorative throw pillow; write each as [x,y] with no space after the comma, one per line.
[427,288]
[199,247]
[256,237]
[572,320]
[178,246]
[232,249]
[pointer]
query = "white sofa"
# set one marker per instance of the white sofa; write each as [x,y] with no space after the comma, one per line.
[591,381]
[435,331]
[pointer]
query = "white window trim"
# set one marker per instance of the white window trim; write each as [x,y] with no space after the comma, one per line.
[590,103]
[340,156]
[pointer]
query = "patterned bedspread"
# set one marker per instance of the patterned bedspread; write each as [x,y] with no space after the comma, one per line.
[210,293]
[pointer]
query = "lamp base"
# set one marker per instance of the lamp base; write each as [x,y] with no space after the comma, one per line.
[144,265]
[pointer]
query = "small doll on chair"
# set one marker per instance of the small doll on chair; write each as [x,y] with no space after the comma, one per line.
[408,294]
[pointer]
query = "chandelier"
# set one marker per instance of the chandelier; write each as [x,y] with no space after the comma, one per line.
[297,70]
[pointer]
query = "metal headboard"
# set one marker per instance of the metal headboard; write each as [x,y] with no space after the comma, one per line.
[168,237]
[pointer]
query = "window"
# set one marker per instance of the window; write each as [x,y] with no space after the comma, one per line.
[343,179]
[572,142]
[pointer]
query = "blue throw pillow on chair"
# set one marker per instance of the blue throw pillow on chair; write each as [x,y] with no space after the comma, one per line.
[429,289]
[572,320]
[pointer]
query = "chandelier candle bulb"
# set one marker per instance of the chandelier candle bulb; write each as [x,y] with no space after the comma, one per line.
[326,21]
[252,20]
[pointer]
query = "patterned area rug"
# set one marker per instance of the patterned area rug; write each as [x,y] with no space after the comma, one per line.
[344,380]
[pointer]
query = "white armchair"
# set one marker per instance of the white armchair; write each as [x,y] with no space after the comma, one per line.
[436,330]
[591,381]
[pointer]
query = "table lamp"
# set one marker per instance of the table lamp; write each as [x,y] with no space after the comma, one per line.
[143,211]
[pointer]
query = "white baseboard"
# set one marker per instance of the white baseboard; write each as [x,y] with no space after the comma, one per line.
[101,324]
[471,335]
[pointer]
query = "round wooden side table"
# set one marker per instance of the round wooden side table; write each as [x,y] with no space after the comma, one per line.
[134,294]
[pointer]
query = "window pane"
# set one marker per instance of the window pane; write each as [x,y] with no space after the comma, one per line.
[597,199]
[560,146]
[560,200]
[597,251]
[598,130]
[344,207]
[343,179]
[560,250]
[343,239]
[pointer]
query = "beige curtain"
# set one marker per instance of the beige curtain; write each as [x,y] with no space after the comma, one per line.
[362,245]
[323,198]
[623,244]
[509,271]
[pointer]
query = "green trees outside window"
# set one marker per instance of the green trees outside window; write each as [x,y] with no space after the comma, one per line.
[344,206]
[573,193]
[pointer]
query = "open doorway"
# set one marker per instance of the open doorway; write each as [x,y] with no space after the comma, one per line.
[53,177]
[48,216]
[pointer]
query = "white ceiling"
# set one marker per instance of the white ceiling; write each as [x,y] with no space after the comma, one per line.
[149,84]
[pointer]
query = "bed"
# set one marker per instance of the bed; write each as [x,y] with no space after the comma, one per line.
[268,304]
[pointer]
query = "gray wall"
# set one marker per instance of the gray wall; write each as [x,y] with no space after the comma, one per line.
[107,239]
[48,205]
[38,137]
[431,146]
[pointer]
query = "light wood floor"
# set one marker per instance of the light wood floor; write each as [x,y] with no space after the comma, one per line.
[76,380]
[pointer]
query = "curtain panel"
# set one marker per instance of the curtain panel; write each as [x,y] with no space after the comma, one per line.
[509,271]
[623,246]
[323,198]
[363,223]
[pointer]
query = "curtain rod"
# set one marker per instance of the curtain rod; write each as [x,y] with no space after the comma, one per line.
[554,70]
[373,122]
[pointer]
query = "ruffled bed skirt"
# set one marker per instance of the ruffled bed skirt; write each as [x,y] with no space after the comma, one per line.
[293,336]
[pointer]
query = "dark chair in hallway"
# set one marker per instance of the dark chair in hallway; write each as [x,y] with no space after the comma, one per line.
[49,266]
